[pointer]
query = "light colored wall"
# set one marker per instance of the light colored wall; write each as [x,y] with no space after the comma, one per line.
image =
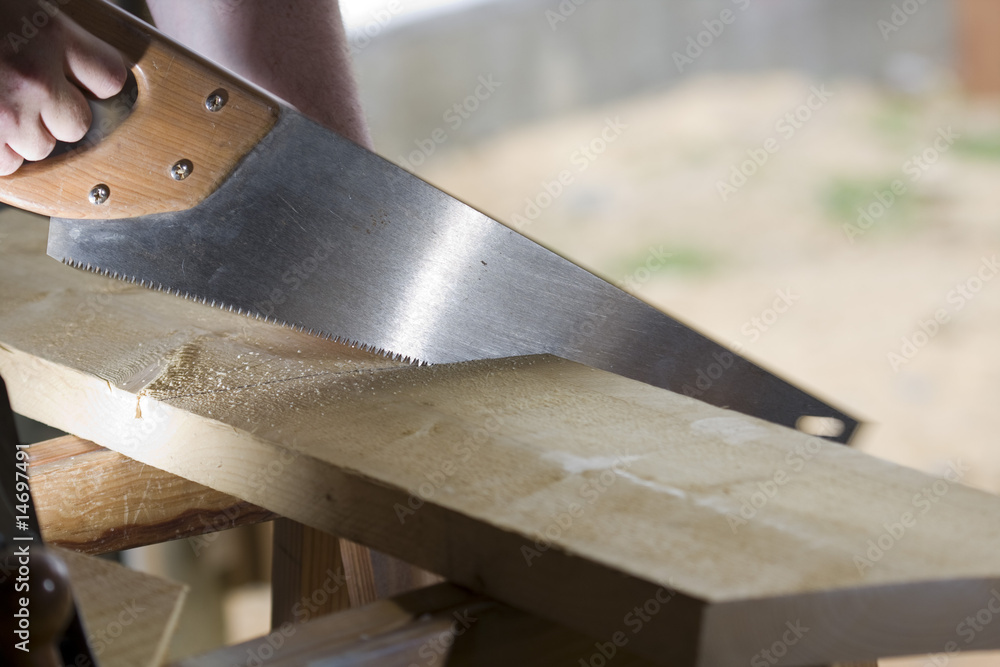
[413,71]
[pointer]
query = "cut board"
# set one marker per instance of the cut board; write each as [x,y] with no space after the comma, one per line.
[698,536]
[129,616]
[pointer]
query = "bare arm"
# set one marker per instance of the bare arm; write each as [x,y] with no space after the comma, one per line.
[296,49]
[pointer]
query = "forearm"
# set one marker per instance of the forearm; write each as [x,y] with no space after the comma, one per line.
[296,49]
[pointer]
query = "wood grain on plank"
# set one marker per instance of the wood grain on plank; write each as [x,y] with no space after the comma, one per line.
[94,500]
[574,494]
[129,616]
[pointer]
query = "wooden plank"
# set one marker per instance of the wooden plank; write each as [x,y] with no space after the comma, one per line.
[439,625]
[94,500]
[574,494]
[129,616]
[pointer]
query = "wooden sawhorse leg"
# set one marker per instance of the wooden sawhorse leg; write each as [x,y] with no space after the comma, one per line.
[315,573]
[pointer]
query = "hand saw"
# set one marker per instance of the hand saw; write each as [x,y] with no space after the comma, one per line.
[214,190]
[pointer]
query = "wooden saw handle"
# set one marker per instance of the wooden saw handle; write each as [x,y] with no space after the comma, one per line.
[177,146]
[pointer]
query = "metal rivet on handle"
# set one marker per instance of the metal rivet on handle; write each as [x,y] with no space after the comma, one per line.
[216,100]
[181,170]
[99,194]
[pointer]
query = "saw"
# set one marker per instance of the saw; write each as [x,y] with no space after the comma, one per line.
[214,190]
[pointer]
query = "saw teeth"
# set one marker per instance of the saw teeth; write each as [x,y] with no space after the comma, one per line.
[318,333]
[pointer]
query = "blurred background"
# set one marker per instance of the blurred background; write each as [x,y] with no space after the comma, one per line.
[823,177]
[842,153]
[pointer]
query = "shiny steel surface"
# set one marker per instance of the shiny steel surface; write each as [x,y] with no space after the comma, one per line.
[316,232]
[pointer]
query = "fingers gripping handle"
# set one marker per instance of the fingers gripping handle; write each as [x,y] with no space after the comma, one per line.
[191,125]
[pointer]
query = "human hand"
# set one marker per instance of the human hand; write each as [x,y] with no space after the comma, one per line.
[46,63]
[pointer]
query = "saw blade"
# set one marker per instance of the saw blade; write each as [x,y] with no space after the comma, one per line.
[318,233]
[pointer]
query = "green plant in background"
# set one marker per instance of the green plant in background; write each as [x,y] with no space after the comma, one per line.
[896,120]
[979,146]
[868,203]
[660,260]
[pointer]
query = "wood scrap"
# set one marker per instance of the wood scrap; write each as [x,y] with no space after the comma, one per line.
[129,616]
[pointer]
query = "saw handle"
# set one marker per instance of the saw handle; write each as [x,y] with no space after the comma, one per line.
[190,126]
